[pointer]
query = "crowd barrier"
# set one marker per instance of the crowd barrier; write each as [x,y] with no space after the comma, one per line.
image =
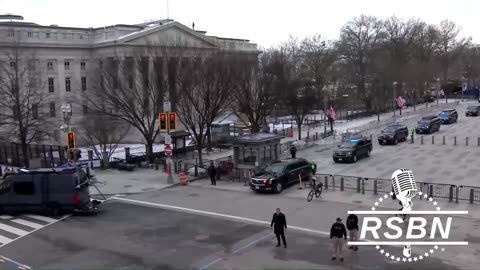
[375,185]
[445,140]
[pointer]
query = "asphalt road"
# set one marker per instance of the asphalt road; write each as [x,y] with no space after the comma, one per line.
[127,236]
[435,163]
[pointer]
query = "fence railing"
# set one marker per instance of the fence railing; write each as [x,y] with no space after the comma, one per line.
[375,185]
[445,140]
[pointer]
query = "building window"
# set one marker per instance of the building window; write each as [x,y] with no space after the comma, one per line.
[35,111]
[52,109]
[49,65]
[11,33]
[47,35]
[84,83]
[67,65]
[82,66]
[51,86]
[81,36]
[30,34]
[65,36]
[68,86]
[85,109]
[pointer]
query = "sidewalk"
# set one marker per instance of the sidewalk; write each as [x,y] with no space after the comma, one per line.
[138,181]
[366,200]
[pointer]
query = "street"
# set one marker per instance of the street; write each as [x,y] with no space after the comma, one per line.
[129,234]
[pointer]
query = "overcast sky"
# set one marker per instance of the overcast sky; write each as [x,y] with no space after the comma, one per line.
[266,22]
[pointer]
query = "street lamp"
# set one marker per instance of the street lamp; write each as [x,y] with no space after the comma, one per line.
[438,88]
[67,113]
[394,98]
[345,105]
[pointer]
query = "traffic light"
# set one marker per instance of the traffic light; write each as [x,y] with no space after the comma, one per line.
[172,120]
[163,121]
[314,168]
[71,141]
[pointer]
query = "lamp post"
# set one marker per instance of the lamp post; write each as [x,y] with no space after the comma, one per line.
[345,105]
[67,114]
[394,99]
[438,88]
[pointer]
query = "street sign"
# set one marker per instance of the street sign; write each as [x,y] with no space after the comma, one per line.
[168,150]
[168,139]
[167,106]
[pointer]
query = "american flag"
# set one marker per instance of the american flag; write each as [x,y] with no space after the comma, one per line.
[441,93]
[400,101]
[331,112]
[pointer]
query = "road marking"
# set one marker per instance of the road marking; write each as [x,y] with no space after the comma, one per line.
[4,240]
[44,226]
[19,265]
[190,210]
[5,217]
[12,230]
[42,218]
[27,223]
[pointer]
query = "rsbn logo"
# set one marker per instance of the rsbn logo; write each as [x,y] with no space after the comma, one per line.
[391,232]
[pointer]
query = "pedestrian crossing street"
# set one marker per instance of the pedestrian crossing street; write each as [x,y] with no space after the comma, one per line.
[14,227]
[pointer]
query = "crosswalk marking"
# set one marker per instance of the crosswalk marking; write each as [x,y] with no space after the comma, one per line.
[42,218]
[27,223]
[4,240]
[13,230]
[5,217]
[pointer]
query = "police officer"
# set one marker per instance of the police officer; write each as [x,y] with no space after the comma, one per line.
[338,233]
[293,151]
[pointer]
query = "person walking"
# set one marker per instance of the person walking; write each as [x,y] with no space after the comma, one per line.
[212,172]
[279,225]
[293,151]
[352,226]
[338,233]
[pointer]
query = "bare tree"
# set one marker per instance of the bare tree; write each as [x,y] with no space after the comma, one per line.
[205,88]
[358,39]
[22,96]
[132,88]
[449,46]
[102,134]
[292,83]
[253,93]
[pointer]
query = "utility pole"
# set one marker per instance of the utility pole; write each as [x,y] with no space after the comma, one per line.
[394,98]
[325,114]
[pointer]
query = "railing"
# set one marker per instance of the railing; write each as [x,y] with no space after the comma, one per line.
[376,186]
[445,140]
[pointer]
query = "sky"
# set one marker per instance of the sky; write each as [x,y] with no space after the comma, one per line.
[265,22]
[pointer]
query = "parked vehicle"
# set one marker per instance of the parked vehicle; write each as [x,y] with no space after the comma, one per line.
[448,116]
[52,190]
[472,111]
[281,174]
[428,125]
[393,134]
[353,150]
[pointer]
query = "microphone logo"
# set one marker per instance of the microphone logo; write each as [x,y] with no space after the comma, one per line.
[404,187]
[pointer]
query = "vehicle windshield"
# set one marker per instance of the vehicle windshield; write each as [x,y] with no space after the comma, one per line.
[424,122]
[275,168]
[347,145]
[471,108]
[390,130]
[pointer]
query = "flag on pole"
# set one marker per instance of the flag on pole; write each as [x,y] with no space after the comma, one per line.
[441,93]
[400,101]
[332,113]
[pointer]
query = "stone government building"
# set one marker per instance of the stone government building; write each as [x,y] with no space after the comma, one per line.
[66,56]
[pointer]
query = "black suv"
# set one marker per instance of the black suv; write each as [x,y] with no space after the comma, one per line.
[428,124]
[472,111]
[280,174]
[393,134]
[353,150]
[448,116]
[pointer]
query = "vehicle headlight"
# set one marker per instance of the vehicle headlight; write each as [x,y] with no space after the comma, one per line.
[349,153]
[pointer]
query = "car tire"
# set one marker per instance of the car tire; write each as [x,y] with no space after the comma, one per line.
[354,158]
[278,187]
[395,141]
[379,142]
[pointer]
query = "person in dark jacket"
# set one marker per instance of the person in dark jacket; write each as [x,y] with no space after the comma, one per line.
[338,234]
[352,226]
[212,172]
[279,224]
[293,151]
